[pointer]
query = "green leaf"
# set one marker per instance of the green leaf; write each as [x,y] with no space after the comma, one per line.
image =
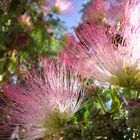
[2,38]
[115,101]
[16,29]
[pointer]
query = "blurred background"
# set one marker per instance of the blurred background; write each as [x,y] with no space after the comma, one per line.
[33,28]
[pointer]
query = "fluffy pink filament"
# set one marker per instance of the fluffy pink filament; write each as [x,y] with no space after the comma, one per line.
[94,8]
[100,55]
[95,54]
[55,88]
[107,10]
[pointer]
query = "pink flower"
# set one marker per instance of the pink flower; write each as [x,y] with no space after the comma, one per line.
[64,6]
[103,11]
[58,6]
[107,54]
[113,10]
[95,10]
[49,98]
[25,21]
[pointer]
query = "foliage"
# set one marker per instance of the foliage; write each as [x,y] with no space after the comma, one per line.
[25,33]
[114,124]
[28,32]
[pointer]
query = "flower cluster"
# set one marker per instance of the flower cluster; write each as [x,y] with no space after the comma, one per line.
[108,52]
[106,49]
[44,103]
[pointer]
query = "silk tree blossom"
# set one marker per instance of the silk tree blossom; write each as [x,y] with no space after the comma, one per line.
[108,57]
[103,11]
[131,26]
[44,104]
[113,10]
[64,6]
[60,6]
[25,22]
[95,10]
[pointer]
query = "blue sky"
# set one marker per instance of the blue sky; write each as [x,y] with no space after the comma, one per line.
[72,19]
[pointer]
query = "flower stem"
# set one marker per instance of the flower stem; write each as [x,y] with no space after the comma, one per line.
[101,103]
[129,93]
[138,94]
